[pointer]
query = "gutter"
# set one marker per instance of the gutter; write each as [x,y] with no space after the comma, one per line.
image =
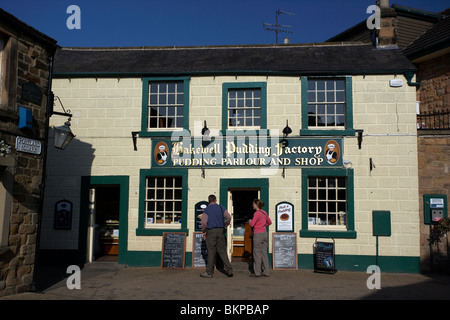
[409,75]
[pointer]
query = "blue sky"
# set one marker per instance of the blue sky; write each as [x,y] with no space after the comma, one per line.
[196,22]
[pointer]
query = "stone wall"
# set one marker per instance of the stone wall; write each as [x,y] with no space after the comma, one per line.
[433,150]
[27,61]
[434,77]
[434,173]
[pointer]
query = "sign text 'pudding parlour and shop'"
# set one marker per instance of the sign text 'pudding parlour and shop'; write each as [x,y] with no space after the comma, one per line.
[238,151]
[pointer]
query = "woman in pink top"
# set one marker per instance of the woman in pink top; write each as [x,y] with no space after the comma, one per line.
[259,223]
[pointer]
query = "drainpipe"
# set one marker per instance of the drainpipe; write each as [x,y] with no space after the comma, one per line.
[49,107]
[409,75]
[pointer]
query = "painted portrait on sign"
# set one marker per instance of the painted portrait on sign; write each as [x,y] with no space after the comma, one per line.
[161,153]
[332,152]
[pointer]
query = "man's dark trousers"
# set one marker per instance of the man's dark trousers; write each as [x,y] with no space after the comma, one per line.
[215,242]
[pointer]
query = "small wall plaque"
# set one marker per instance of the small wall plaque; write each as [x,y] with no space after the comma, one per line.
[31,93]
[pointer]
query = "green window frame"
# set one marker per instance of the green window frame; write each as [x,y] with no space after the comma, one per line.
[158,230]
[329,131]
[167,132]
[226,87]
[350,232]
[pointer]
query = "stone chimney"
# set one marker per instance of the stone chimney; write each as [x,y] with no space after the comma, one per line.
[386,36]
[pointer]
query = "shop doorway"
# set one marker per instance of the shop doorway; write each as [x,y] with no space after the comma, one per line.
[103,244]
[240,203]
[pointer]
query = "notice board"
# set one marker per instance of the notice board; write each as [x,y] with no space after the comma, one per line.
[324,257]
[199,251]
[173,250]
[284,251]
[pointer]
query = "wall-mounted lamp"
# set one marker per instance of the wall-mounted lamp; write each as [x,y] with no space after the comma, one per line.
[287,130]
[63,134]
[205,130]
[360,137]
[134,135]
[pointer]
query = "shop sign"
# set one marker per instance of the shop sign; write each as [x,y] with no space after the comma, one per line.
[236,151]
[28,145]
[285,217]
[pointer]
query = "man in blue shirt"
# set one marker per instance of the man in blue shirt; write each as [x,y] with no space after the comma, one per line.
[215,219]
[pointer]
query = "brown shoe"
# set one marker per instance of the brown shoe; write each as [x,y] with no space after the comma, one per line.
[206,275]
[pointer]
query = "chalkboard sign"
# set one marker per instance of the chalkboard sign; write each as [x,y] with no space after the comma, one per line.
[173,250]
[284,251]
[199,251]
[324,257]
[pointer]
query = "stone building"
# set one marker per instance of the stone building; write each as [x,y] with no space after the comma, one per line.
[430,53]
[143,162]
[424,39]
[24,83]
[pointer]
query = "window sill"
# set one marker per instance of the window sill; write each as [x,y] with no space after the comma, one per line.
[245,132]
[348,234]
[158,133]
[158,231]
[327,132]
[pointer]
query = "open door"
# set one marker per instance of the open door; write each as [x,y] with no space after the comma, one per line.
[240,202]
[230,227]
[103,227]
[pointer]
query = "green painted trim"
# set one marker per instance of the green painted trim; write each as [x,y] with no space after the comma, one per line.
[360,263]
[391,264]
[144,119]
[143,174]
[261,183]
[328,133]
[350,233]
[244,85]
[86,183]
[349,131]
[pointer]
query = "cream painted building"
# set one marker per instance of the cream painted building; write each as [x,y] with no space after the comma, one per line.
[128,102]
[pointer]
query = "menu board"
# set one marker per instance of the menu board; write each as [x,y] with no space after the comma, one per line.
[324,257]
[284,251]
[199,251]
[173,250]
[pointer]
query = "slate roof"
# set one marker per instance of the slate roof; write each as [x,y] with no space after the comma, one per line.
[323,58]
[435,38]
[410,23]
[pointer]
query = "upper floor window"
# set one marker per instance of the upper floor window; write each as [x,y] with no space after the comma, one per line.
[327,106]
[166,101]
[326,103]
[165,106]
[244,108]
[244,105]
